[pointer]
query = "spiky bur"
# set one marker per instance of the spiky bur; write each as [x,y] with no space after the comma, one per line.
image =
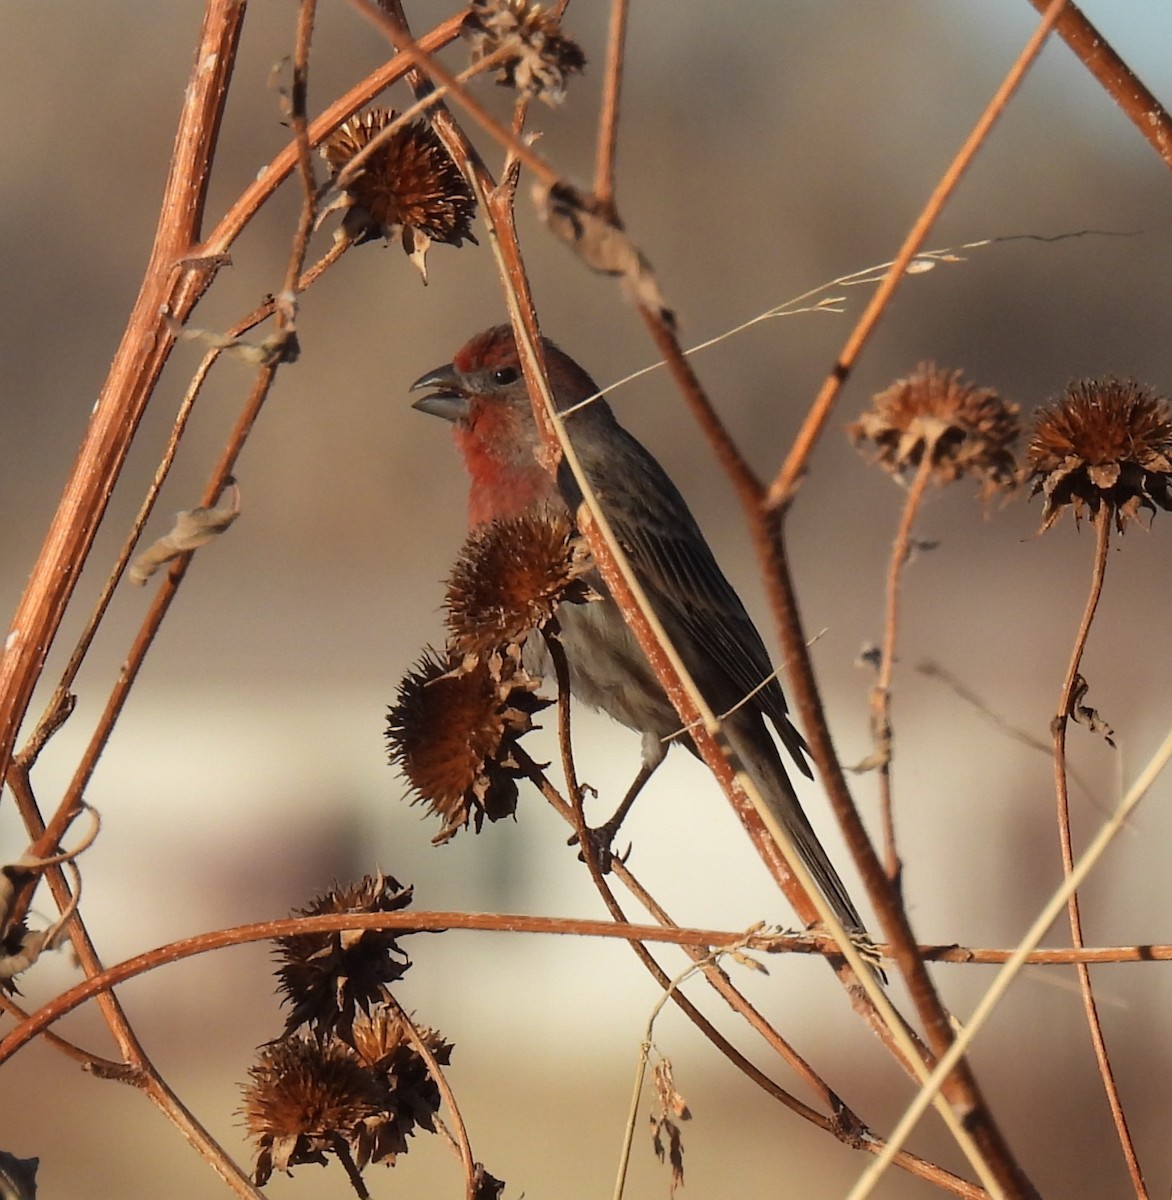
[962,430]
[409,1095]
[510,578]
[537,55]
[305,1100]
[452,731]
[408,187]
[329,978]
[1103,444]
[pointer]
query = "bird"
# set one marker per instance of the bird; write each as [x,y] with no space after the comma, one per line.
[483,394]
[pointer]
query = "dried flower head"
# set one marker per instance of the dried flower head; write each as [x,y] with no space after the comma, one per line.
[536,56]
[510,578]
[452,732]
[408,187]
[305,1100]
[328,978]
[1103,443]
[410,1096]
[961,429]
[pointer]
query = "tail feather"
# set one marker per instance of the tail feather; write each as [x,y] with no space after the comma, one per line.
[752,742]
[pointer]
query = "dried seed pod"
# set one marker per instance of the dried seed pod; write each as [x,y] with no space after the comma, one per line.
[408,187]
[303,1101]
[452,732]
[537,55]
[327,978]
[1103,443]
[410,1097]
[961,429]
[511,576]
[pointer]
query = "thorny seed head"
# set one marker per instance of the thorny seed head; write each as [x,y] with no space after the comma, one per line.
[1104,443]
[963,430]
[328,978]
[302,1099]
[410,1097]
[452,731]
[510,578]
[408,188]
[542,55]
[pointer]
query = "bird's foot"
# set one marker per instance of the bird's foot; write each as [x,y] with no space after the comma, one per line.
[599,841]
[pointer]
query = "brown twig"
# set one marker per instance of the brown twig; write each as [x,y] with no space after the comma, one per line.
[106,1068]
[1147,114]
[169,290]
[783,488]
[445,1090]
[138,1070]
[962,1092]
[608,120]
[881,692]
[1066,701]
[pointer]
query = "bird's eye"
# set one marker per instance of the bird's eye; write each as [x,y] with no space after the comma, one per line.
[505,375]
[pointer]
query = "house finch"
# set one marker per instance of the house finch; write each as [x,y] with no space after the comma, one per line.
[483,393]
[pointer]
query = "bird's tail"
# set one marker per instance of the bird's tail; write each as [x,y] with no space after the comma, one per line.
[764,766]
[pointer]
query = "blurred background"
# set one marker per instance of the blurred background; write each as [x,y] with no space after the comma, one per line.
[765,149]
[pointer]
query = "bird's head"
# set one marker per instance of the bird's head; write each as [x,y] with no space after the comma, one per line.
[482,392]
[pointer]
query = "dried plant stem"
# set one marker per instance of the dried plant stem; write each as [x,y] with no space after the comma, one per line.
[842,1122]
[104,1068]
[881,693]
[1147,114]
[960,1089]
[1042,958]
[720,981]
[608,121]
[341,1148]
[138,1070]
[962,1093]
[1066,701]
[54,1009]
[459,1129]
[61,701]
[784,487]
[764,526]
[1107,833]
[170,288]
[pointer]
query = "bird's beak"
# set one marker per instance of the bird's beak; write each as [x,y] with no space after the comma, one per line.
[446,400]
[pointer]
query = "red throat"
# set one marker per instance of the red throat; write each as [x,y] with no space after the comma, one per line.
[505,477]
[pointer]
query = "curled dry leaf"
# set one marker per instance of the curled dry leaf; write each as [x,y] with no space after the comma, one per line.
[281,346]
[484,1185]
[666,1135]
[20,946]
[1086,716]
[600,243]
[193,528]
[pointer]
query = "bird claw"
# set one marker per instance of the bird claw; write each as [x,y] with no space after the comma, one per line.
[600,847]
